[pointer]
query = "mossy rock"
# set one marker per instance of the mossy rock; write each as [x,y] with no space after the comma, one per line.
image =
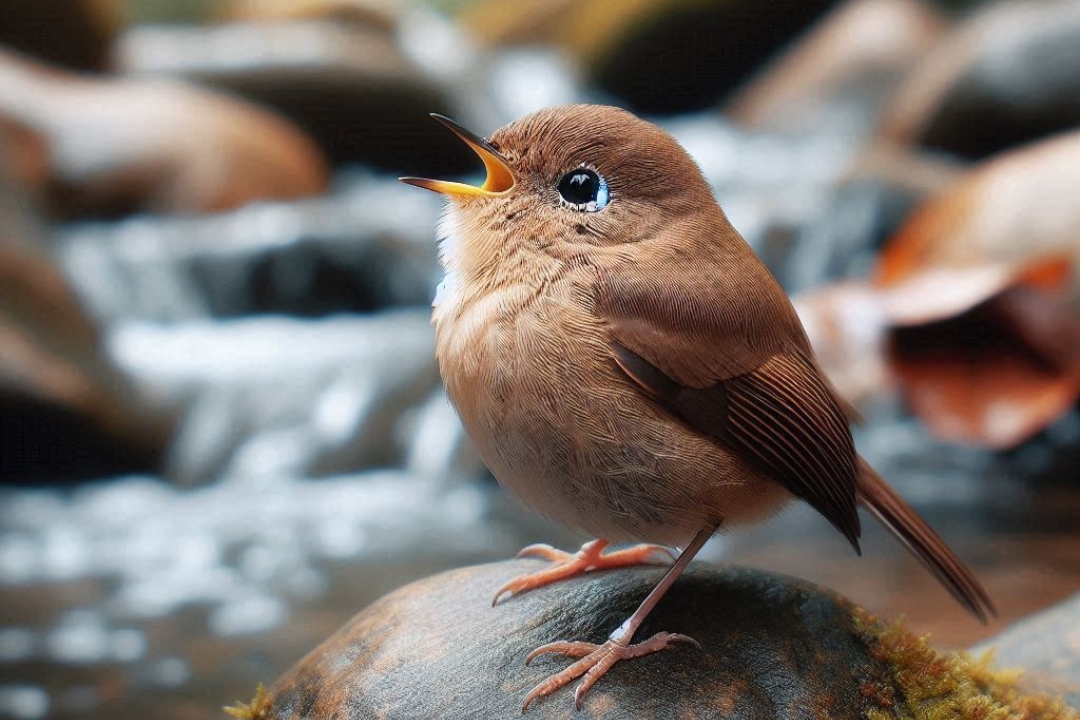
[771,646]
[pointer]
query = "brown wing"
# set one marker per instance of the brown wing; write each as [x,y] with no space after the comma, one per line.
[723,350]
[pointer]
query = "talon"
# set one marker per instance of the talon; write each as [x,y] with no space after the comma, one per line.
[572,649]
[545,551]
[595,661]
[679,637]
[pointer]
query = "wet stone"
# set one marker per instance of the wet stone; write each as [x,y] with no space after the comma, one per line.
[1008,75]
[771,647]
[655,56]
[77,34]
[349,85]
[1047,646]
[67,412]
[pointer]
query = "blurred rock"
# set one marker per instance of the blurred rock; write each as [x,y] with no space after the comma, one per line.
[24,156]
[847,327]
[1008,75]
[277,396]
[1018,207]
[376,13]
[654,56]
[528,23]
[869,201]
[948,340]
[842,69]
[998,372]
[1047,646]
[771,646]
[367,245]
[980,330]
[66,412]
[347,83]
[75,34]
[121,145]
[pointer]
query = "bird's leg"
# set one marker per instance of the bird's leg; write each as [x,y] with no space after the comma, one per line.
[567,565]
[596,660]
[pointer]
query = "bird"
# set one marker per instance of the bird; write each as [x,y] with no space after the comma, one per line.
[627,366]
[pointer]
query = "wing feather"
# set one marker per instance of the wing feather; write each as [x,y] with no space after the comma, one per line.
[723,350]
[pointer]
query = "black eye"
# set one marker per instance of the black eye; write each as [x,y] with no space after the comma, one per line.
[584,189]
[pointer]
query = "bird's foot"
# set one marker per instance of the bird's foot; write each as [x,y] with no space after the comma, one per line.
[589,557]
[595,661]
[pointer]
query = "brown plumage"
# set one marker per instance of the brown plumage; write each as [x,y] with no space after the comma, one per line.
[629,367]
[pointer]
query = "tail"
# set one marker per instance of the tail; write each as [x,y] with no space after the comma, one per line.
[888,507]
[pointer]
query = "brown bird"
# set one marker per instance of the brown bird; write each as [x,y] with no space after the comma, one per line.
[627,366]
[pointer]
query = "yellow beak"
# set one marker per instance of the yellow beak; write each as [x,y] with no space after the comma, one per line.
[499,177]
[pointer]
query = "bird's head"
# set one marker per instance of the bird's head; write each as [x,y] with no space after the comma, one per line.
[578,175]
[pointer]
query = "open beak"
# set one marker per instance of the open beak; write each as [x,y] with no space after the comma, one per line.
[499,177]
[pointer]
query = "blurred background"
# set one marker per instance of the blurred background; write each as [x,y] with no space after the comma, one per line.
[222,431]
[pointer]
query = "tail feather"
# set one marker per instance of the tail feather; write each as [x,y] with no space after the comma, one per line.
[899,517]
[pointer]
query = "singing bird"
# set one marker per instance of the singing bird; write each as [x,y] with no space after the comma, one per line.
[627,366]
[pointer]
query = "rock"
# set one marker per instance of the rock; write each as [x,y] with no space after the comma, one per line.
[376,13]
[24,156]
[981,332]
[846,65]
[117,145]
[1047,646]
[654,56]
[926,334]
[771,646]
[75,34]
[348,84]
[436,648]
[66,411]
[1025,193]
[1007,76]
[1024,346]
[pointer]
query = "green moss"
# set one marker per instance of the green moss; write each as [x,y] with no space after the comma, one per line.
[919,683]
[257,709]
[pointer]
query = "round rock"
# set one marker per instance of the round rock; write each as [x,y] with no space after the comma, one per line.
[771,646]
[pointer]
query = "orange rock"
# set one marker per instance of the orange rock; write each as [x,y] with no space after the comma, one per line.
[128,144]
[1019,206]
[973,309]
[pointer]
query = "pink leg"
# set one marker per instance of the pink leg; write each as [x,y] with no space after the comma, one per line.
[596,660]
[567,565]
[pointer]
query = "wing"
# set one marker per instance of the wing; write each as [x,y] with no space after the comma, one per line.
[723,350]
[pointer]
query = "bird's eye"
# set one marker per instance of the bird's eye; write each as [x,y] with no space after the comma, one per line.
[584,189]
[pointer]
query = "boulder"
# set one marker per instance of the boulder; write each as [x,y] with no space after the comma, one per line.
[848,62]
[342,78]
[1008,75]
[116,145]
[655,56]
[771,646]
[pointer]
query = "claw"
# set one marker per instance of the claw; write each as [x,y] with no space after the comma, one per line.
[595,661]
[572,649]
[545,551]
